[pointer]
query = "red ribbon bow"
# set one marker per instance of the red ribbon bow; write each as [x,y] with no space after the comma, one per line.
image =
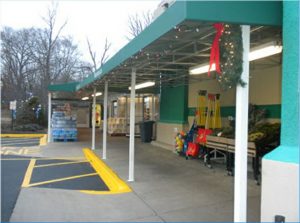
[215,50]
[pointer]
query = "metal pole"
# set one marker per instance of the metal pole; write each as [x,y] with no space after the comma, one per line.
[49,117]
[132,124]
[153,118]
[126,112]
[241,135]
[94,120]
[110,108]
[105,121]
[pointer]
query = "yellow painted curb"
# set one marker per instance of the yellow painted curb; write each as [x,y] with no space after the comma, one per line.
[43,140]
[43,137]
[22,135]
[111,179]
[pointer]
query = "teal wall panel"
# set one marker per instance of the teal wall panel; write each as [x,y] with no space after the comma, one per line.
[67,87]
[241,12]
[290,73]
[287,154]
[173,104]
[288,151]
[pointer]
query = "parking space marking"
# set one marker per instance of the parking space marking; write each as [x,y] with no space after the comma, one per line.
[23,151]
[28,173]
[32,165]
[57,164]
[61,179]
[108,177]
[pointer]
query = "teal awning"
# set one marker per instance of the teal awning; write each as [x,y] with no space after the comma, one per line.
[180,38]
[66,87]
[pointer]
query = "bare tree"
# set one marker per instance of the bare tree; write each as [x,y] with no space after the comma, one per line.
[104,55]
[137,23]
[92,54]
[25,66]
[16,63]
[32,59]
[54,54]
[83,69]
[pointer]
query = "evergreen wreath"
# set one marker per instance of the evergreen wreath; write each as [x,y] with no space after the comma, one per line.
[231,57]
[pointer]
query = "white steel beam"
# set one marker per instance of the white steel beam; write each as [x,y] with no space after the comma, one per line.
[94,119]
[49,117]
[241,135]
[105,121]
[132,125]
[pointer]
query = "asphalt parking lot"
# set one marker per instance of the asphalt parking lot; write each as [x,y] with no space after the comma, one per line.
[167,188]
[19,142]
[23,172]
[63,174]
[12,174]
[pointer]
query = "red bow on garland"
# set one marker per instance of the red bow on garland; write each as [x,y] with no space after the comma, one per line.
[215,51]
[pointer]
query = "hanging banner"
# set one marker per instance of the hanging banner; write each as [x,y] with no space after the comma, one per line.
[98,115]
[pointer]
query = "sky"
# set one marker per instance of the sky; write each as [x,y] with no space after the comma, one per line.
[95,20]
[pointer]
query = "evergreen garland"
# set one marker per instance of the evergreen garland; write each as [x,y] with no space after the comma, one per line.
[231,57]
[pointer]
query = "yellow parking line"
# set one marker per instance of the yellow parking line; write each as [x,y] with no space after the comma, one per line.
[61,179]
[28,174]
[62,158]
[57,164]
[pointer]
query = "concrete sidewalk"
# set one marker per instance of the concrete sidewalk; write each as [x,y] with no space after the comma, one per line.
[167,188]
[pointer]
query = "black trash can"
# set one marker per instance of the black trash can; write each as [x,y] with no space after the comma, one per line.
[146,129]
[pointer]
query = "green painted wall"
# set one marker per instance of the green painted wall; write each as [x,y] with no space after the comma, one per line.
[273,111]
[173,104]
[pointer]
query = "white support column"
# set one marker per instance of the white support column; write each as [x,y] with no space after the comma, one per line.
[132,125]
[105,121]
[49,117]
[110,108]
[94,120]
[241,135]
[126,112]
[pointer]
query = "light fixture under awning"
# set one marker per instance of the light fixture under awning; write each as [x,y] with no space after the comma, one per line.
[85,98]
[97,94]
[256,53]
[143,85]
[265,50]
